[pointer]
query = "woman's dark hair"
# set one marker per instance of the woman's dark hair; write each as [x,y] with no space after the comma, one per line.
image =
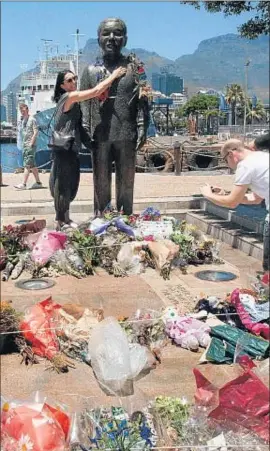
[58,91]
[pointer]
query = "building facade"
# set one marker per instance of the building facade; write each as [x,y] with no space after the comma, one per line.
[3,114]
[10,103]
[167,83]
[178,99]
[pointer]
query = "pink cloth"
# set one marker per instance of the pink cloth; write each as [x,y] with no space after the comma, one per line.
[259,329]
[189,333]
[44,244]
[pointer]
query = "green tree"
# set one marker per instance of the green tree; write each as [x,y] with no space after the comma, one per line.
[257,113]
[235,97]
[258,25]
[200,104]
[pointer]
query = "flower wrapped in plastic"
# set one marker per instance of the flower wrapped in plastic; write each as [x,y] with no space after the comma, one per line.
[241,402]
[114,429]
[39,329]
[33,426]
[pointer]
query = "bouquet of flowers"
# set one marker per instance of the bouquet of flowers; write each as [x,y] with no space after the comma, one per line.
[33,426]
[115,429]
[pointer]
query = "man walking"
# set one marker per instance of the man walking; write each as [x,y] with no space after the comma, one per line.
[251,170]
[28,132]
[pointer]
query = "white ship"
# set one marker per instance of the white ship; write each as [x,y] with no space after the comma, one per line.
[36,89]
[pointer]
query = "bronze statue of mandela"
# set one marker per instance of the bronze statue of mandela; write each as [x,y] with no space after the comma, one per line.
[117,122]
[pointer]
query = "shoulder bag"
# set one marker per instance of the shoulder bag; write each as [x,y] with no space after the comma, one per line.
[60,141]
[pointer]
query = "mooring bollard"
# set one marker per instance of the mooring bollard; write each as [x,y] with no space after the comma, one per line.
[177,158]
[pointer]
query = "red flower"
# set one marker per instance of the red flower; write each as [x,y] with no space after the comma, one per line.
[149,238]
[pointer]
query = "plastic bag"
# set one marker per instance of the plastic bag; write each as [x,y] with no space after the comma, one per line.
[163,252]
[130,257]
[38,328]
[263,372]
[113,429]
[35,426]
[114,363]
[138,359]
[47,244]
[244,401]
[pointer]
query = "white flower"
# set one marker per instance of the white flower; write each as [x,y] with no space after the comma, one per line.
[25,443]
[184,401]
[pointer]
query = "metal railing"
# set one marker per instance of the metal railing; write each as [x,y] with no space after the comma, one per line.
[239,129]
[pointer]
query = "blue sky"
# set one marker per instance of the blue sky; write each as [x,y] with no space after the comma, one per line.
[169,28]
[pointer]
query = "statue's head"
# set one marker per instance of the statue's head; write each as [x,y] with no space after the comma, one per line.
[112,36]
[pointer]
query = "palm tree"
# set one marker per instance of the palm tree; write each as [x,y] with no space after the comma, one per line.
[234,96]
[256,113]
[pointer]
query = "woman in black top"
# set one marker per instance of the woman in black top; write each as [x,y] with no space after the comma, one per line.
[65,172]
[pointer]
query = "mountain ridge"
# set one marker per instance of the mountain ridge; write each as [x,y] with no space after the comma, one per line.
[216,62]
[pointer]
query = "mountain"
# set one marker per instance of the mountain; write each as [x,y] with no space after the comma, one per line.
[153,62]
[221,60]
[215,63]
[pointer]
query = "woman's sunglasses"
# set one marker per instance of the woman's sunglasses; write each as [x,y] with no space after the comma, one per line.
[69,80]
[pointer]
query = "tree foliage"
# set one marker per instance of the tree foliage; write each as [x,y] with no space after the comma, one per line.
[200,103]
[235,97]
[257,113]
[258,25]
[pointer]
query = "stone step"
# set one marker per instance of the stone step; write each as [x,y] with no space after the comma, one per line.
[163,204]
[240,238]
[249,217]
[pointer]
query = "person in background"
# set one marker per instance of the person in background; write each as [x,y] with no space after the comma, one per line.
[28,132]
[65,172]
[251,171]
[19,168]
[261,143]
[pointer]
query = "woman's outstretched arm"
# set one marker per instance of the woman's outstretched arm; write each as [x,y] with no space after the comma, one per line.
[80,96]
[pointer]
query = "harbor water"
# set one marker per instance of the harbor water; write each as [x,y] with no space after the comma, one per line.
[11,159]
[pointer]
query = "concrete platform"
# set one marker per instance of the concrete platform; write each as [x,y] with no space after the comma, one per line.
[173,196]
[122,297]
[147,186]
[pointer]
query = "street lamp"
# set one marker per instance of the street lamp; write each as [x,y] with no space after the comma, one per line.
[246,95]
